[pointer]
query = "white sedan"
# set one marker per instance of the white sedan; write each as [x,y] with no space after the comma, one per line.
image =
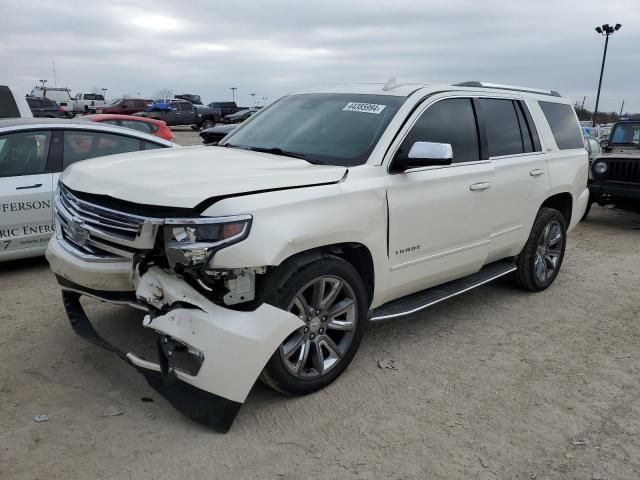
[33,152]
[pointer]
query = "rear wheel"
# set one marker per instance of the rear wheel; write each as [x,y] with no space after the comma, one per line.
[540,260]
[328,295]
[208,124]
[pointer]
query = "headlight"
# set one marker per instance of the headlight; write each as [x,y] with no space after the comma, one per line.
[191,241]
[600,168]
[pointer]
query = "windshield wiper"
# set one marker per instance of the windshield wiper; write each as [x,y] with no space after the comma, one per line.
[276,151]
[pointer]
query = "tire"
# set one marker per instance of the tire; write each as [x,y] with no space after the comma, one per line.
[587,210]
[208,124]
[317,353]
[541,258]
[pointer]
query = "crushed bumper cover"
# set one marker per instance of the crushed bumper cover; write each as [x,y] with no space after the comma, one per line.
[233,346]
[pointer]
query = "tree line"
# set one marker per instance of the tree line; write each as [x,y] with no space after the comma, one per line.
[603,117]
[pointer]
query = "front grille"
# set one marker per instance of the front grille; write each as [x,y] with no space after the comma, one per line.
[624,170]
[101,234]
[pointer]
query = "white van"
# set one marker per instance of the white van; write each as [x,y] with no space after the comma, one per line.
[12,105]
[62,96]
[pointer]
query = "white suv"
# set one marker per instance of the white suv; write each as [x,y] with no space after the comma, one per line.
[269,254]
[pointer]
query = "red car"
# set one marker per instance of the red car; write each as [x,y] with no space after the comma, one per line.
[143,124]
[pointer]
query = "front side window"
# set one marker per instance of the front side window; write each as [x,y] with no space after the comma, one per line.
[500,119]
[449,121]
[326,128]
[24,153]
[564,124]
[626,134]
[185,107]
[81,145]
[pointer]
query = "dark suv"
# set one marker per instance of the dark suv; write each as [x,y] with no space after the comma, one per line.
[47,108]
[125,106]
[615,175]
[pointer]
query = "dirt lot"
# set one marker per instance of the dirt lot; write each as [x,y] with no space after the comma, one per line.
[496,383]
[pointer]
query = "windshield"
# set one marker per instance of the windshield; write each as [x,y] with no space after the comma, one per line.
[116,101]
[626,134]
[327,128]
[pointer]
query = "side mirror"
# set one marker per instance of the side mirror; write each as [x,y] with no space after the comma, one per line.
[424,154]
[604,143]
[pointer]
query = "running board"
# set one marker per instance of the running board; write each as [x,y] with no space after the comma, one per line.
[420,300]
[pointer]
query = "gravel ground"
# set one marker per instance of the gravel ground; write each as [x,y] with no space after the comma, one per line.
[496,383]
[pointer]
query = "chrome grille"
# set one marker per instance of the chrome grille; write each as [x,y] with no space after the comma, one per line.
[101,234]
[624,170]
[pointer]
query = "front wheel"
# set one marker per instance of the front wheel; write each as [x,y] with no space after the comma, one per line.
[540,260]
[328,295]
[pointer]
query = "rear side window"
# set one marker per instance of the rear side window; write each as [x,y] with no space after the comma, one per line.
[8,107]
[93,96]
[140,126]
[564,125]
[501,123]
[448,121]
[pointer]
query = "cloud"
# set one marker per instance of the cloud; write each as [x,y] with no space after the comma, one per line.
[276,46]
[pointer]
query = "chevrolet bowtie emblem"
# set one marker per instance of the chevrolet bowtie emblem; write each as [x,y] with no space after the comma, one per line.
[76,230]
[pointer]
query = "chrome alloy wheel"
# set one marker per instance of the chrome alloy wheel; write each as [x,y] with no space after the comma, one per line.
[327,305]
[548,251]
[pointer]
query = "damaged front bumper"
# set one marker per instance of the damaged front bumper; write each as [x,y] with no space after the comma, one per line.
[208,356]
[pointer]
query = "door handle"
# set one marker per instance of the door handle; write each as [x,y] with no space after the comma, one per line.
[478,187]
[25,187]
[536,172]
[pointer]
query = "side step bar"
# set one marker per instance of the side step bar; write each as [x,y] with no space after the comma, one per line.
[420,300]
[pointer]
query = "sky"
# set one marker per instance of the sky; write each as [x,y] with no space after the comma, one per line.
[273,47]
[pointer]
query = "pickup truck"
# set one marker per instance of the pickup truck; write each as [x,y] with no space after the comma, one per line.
[225,108]
[269,255]
[181,112]
[88,102]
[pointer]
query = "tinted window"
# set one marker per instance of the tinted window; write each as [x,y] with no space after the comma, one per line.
[8,107]
[140,126]
[23,153]
[93,96]
[82,145]
[447,121]
[140,103]
[525,133]
[564,124]
[185,106]
[502,127]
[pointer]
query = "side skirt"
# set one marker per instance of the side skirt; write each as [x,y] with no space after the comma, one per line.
[418,301]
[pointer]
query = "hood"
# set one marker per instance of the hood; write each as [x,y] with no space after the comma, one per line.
[185,177]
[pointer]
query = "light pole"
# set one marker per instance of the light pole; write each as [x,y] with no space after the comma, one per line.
[233,93]
[104,93]
[253,99]
[43,82]
[605,30]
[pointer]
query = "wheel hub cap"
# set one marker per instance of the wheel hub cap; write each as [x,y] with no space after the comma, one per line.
[328,308]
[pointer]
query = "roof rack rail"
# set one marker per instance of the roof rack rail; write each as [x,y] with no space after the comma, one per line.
[497,86]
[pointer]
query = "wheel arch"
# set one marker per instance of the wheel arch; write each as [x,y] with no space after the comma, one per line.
[563,202]
[357,254]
